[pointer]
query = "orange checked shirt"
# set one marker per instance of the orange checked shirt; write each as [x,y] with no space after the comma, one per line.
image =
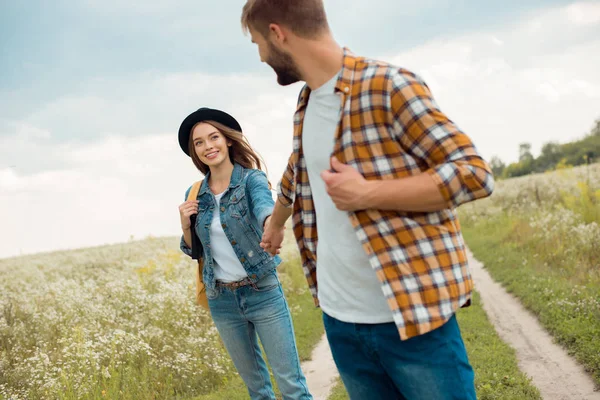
[390,128]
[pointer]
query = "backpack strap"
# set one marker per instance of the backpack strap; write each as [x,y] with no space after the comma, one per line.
[194,190]
[196,245]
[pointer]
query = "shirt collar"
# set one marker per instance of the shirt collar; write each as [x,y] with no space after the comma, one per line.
[344,82]
[234,181]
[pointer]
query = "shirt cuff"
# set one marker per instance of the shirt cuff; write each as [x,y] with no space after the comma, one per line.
[184,247]
[264,214]
[442,184]
[286,201]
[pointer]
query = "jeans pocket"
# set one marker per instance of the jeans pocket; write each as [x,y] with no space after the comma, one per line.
[212,294]
[267,283]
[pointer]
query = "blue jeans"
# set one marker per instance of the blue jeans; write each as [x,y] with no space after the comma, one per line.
[243,313]
[375,364]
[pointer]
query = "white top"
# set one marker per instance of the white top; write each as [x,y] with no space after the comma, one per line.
[348,287]
[227,266]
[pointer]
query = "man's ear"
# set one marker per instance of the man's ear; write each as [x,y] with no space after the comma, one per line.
[276,33]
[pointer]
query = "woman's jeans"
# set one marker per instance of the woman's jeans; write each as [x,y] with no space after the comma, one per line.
[243,313]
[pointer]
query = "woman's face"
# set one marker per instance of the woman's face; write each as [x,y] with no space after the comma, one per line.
[210,145]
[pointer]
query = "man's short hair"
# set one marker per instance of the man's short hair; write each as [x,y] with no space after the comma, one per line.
[306,18]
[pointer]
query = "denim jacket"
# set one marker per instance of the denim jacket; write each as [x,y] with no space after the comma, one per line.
[244,207]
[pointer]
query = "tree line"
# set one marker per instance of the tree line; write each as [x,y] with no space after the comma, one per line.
[553,155]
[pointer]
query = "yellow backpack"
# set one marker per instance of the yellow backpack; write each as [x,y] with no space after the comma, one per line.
[201,298]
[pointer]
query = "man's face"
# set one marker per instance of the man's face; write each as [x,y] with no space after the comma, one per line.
[282,63]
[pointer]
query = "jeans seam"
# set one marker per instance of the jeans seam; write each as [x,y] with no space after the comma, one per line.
[383,368]
[243,315]
[455,358]
[368,352]
[264,383]
[291,328]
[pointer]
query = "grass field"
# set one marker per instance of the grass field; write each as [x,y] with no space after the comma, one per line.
[540,237]
[120,322]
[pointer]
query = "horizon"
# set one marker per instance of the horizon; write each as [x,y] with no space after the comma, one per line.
[92,94]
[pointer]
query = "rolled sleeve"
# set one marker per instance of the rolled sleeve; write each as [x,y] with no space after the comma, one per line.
[424,131]
[184,247]
[286,187]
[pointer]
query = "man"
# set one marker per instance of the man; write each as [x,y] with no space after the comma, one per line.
[376,173]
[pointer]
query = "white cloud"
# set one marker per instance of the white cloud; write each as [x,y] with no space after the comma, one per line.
[112,189]
[584,13]
[91,192]
[535,81]
[61,186]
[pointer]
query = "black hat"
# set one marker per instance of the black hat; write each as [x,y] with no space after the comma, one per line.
[203,114]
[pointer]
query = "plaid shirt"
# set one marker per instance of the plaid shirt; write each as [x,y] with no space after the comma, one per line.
[391,128]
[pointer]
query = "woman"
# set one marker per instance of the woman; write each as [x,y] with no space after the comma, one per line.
[244,293]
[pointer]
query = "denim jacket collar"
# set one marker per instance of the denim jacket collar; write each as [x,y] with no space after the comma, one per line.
[235,180]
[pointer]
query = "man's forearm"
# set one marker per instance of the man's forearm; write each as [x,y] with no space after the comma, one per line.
[280,214]
[418,193]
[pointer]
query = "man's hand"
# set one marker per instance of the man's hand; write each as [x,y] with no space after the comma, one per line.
[348,189]
[272,237]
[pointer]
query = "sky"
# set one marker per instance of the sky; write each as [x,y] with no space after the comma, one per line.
[92,93]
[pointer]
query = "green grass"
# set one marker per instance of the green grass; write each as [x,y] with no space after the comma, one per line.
[550,282]
[497,376]
[338,392]
[119,322]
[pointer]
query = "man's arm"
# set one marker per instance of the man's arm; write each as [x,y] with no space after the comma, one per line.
[280,215]
[455,166]
[275,225]
[351,192]
[456,172]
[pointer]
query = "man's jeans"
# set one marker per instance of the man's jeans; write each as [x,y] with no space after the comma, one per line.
[375,364]
[239,315]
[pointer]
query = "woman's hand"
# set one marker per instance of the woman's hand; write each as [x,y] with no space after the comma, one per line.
[272,239]
[187,209]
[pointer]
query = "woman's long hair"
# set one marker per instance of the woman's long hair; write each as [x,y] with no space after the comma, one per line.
[240,150]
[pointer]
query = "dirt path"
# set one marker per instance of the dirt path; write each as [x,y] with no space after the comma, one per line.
[320,371]
[553,371]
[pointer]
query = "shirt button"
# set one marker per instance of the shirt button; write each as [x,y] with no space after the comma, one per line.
[224,226]
[243,259]
[222,209]
[233,242]
[253,276]
[346,89]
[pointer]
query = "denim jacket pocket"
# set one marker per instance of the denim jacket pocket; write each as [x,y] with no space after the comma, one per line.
[238,203]
[240,211]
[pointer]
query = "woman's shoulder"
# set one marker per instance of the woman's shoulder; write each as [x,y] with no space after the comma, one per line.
[187,192]
[252,172]
[255,179]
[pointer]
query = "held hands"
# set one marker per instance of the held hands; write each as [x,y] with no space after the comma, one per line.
[348,189]
[187,209]
[272,239]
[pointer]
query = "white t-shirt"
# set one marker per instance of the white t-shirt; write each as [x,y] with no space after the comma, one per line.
[348,287]
[227,266]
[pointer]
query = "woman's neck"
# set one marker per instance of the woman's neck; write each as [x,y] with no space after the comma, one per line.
[220,176]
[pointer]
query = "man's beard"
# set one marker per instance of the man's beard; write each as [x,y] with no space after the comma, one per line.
[284,66]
